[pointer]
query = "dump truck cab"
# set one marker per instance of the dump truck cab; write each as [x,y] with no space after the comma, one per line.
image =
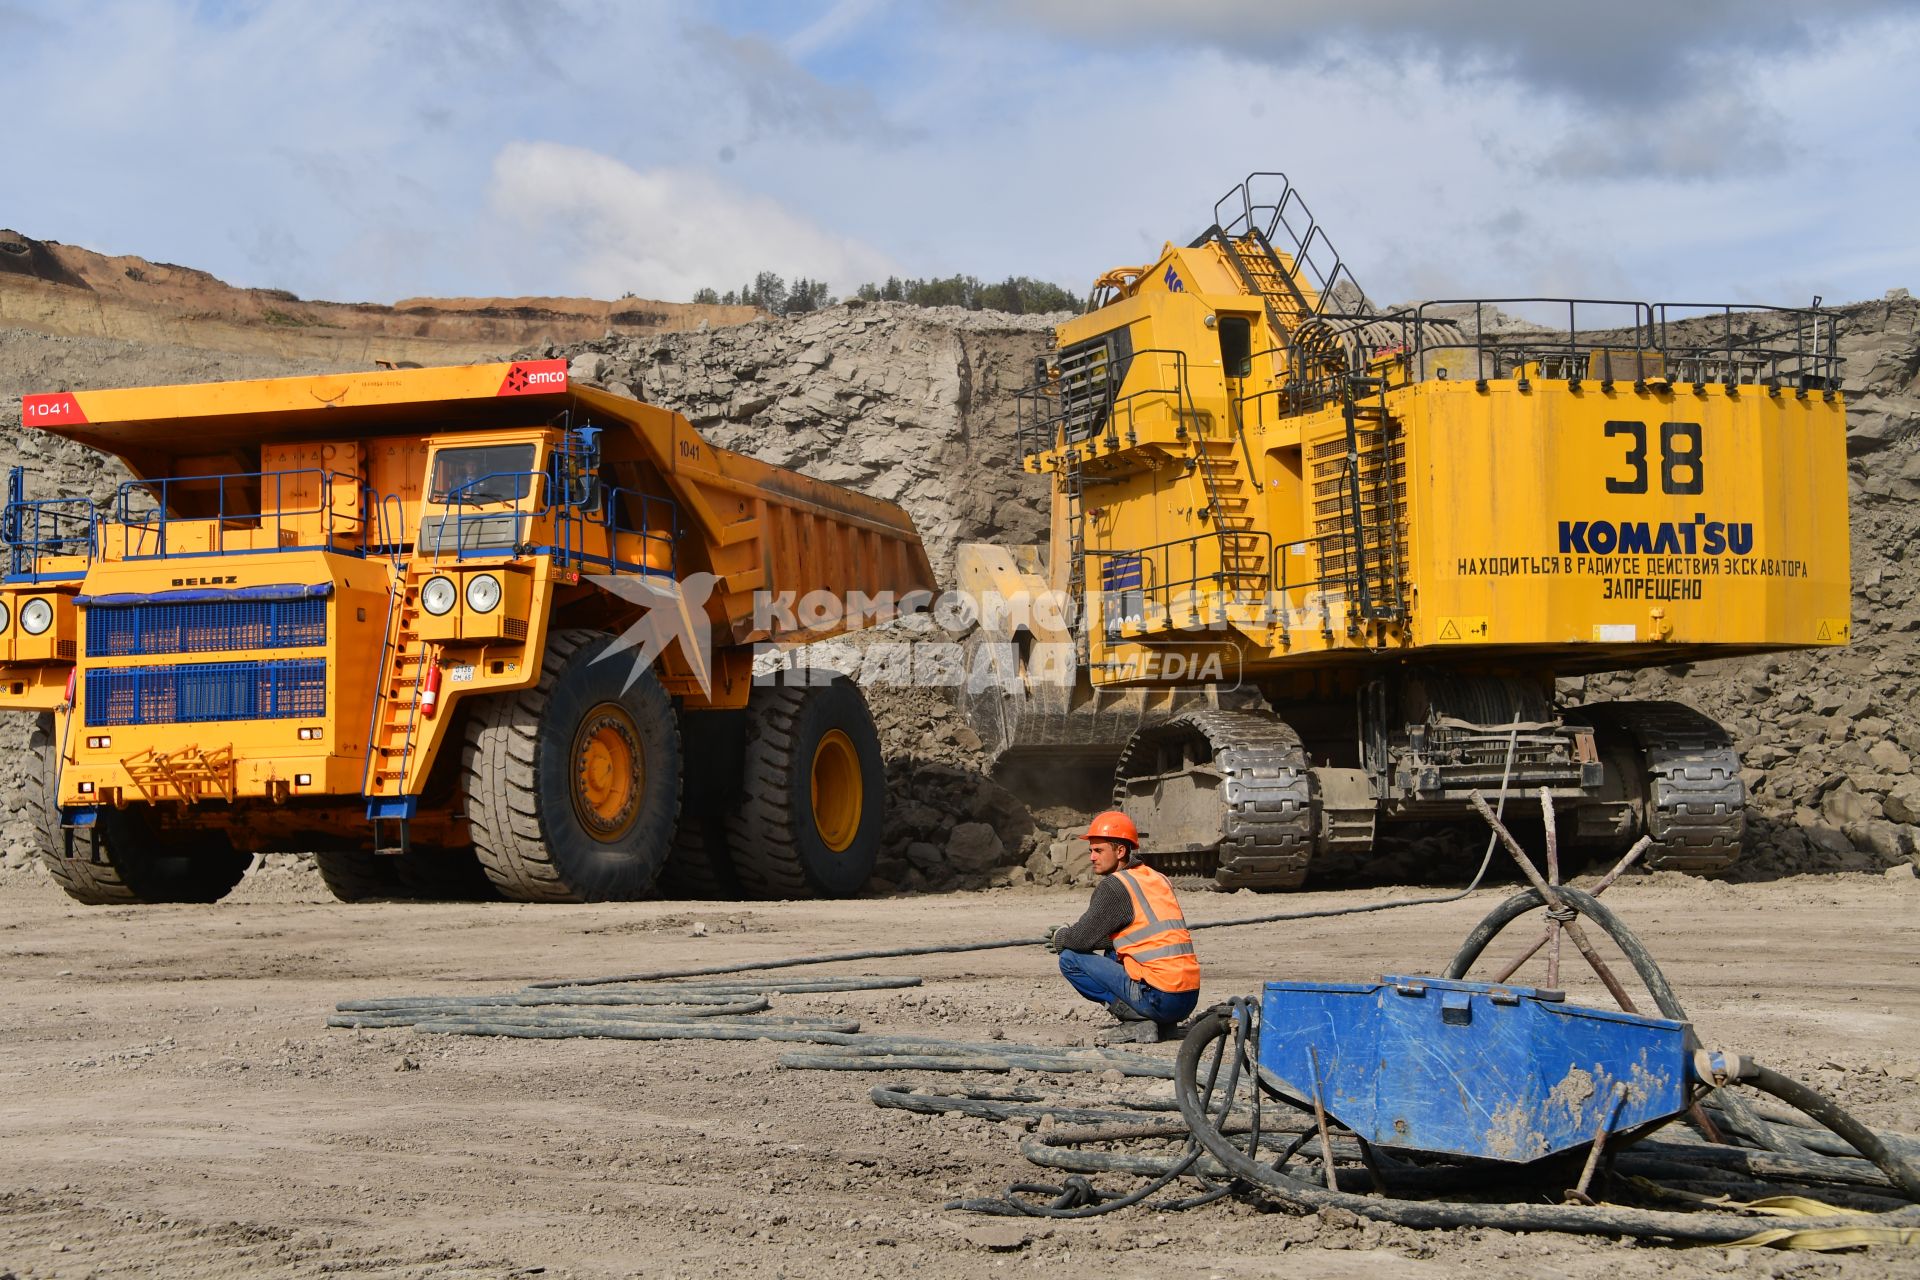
[358,614]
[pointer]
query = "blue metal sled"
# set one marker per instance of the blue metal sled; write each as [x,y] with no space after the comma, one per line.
[1471,1069]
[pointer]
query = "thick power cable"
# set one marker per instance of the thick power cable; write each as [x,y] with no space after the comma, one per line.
[897,953]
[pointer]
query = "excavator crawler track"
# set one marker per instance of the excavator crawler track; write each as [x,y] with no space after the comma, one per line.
[1264,838]
[1696,806]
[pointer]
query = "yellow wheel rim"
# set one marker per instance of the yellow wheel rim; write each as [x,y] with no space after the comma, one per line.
[608,773]
[839,792]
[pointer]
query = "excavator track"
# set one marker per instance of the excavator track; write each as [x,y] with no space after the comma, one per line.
[1696,803]
[1262,835]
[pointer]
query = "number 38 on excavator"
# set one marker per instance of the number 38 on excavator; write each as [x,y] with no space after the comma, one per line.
[1326,569]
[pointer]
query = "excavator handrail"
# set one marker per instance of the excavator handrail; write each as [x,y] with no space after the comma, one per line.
[1040,433]
[1799,347]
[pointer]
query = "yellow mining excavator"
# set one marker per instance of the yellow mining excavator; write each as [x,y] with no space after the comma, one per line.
[1316,566]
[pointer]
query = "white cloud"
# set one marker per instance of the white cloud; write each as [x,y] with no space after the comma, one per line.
[662,233]
[678,145]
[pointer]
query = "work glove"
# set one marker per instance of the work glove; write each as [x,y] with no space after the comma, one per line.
[1052,945]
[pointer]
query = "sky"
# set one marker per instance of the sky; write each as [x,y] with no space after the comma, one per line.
[1657,150]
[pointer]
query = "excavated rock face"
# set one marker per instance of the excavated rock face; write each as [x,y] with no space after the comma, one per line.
[913,405]
[905,403]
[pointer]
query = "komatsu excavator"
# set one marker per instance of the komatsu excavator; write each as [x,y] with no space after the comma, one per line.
[1319,568]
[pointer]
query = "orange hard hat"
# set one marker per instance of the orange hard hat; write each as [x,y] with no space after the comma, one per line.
[1113,825]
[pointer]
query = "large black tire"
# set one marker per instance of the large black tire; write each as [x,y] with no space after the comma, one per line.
[421,875]
[537,765]
[700,864]
[359,875]
[134,863]
[445,875]
[804,742]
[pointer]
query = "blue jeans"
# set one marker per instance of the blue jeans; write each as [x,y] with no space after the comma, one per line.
[1103,980]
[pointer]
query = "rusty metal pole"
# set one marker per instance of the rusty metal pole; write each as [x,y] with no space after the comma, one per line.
[1556,903]
[1606,882]
[1553,878]
[1320,1119]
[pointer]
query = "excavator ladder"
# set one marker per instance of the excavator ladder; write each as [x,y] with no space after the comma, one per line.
[1360,503]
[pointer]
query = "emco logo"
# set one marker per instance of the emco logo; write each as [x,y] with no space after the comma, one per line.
[534,377]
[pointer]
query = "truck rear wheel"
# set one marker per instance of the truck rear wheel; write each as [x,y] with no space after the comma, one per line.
[700,864]
[435,874]
[132,861]
[815,793]
[357,875]
[573,785]
[420,875]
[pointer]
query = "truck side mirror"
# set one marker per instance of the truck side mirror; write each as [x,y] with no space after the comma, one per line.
[581,477]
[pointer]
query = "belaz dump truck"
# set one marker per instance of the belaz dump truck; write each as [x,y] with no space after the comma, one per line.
[455,631]
[1323,564]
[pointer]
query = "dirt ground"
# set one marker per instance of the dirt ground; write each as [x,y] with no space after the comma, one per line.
[172,1103]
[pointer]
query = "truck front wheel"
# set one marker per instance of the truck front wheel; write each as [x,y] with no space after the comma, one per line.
[573,785]
[127,860]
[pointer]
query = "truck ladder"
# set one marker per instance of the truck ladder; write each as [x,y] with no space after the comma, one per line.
[396,715]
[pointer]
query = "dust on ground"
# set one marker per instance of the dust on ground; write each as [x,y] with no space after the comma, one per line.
[174,1104]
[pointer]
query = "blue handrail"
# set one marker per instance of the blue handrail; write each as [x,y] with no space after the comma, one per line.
[477,534]
[334,523]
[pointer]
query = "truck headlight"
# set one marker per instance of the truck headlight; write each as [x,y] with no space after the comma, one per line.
[36,616]
[483,593]
[438,596]
[6,615]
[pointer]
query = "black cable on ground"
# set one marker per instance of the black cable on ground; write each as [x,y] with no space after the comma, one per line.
[896,1053]
[733,1010]
[894,953]
[587,1019]
[1078,1198]
[1829,1113]
[983,1105]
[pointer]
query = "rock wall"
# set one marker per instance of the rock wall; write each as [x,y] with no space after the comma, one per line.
[904,403]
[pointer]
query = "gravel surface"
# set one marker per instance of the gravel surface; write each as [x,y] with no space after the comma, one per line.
[171,1101]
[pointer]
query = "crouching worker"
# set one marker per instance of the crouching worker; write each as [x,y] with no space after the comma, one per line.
[1153,981]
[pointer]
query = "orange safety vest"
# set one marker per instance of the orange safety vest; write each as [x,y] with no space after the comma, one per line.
[1156,948]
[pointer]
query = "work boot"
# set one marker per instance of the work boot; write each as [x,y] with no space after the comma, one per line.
[1135,1027]
[1139,1031]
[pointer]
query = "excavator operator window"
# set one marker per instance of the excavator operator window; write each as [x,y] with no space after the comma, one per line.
[1236,346]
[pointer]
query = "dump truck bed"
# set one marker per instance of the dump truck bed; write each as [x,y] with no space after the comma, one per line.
[760,528]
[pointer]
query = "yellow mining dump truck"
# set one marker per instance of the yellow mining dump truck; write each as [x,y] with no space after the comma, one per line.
[1317,566]
[457,631]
